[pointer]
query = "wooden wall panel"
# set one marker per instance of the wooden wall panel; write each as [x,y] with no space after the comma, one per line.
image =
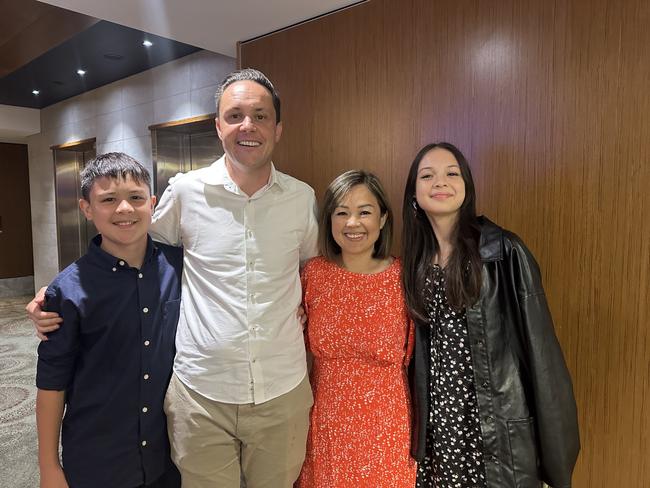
[16,258]
[550,101]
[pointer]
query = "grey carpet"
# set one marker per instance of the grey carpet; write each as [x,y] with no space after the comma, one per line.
[18,445]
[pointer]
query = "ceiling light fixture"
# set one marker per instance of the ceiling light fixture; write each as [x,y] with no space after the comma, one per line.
[147,43]
[35,92]
[81,72]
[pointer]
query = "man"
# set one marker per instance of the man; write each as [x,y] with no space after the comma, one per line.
[239,399]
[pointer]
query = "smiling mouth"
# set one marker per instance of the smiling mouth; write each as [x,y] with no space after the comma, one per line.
[125,223]
[249,143]
[354,237]
[441,196]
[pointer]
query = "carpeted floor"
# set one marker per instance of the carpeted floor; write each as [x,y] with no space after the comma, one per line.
[18,447]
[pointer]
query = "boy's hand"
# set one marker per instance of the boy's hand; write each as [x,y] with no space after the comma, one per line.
[44,322]
[53,478]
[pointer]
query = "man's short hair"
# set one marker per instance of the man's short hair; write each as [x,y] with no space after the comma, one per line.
[249,74]
[114,165]
[335,193]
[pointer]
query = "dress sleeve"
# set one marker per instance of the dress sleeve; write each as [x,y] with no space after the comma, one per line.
[554,402]
[57,355]
[410,341]
[304,280]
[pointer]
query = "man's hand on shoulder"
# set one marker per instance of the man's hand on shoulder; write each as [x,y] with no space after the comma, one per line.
[44,322]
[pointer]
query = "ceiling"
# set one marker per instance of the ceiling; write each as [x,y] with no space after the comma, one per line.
[105,51]
[215,25]
[43,44]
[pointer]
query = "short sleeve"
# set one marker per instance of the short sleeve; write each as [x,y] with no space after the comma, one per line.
[57,355]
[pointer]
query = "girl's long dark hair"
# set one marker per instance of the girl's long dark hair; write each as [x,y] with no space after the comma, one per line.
[419,243]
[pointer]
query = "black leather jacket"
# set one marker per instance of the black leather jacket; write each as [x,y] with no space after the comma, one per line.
[525,398]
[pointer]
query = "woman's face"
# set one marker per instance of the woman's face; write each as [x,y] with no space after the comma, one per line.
[439,187]
[357,222]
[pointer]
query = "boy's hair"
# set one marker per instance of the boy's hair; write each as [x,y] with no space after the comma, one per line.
[114,165]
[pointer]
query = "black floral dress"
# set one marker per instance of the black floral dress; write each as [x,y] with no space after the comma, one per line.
[454,444]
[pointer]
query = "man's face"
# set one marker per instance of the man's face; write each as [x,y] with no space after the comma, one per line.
[121,210]
[246,125]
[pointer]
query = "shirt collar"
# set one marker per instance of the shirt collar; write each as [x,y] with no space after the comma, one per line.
[217,174]
[106,260]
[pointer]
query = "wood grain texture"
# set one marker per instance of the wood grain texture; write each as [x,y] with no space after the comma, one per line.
[16,259]
[550,102]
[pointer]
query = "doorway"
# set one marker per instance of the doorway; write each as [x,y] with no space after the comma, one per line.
[181,146]
[73,230]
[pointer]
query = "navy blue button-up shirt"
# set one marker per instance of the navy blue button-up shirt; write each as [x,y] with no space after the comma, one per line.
[113,356]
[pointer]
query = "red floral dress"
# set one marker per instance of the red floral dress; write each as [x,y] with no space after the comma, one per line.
[361,339]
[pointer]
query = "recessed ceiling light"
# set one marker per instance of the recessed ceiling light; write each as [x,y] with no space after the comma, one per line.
[147,43]
[81,72]
[35,92]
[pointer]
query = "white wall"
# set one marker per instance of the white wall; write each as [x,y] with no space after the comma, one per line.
[118,116]
[16,123]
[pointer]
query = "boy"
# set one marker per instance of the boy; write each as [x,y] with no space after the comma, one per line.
[111,362]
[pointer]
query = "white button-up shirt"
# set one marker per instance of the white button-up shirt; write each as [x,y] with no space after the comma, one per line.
[238,339]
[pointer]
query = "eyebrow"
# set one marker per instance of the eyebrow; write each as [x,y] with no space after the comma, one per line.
[359,206]
[447,167]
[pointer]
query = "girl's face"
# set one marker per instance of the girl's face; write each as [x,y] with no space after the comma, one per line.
[357,221]
[439,186]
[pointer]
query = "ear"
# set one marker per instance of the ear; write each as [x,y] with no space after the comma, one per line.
[153,202]
[217,124]
[278,131]
[84,206]
[382,221]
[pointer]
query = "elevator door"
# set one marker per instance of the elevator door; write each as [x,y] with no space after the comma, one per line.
[181,148]
[73,230]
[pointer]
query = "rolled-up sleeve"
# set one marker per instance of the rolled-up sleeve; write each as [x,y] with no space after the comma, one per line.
[57,355]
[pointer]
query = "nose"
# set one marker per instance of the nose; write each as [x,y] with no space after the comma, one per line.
[439,181]
[247,123]
[124,207]
[352,221]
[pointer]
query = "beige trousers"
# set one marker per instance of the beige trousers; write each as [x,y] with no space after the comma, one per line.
[216,444]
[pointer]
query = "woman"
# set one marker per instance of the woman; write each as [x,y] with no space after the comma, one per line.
[493,401]
[358,334]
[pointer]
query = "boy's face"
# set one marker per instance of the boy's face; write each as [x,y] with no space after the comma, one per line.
[121,210]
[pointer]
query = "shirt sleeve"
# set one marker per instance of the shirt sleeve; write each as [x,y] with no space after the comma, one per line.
[555,406]
[57,355]
[309,244]
[166,221]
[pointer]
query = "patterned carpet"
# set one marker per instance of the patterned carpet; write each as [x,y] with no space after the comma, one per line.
[18,447]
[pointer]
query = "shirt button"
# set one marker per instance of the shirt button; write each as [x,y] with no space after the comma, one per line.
[144,409]
[139,275]
[145,310]
[121,263]
[254,360]
[485,384]
[114,269]
[146,376]
[146,343]
[144,443]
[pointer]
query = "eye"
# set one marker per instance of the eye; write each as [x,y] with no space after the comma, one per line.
[426,176]
[340,213]
[108,199]
[366,212]
[453,173]
[260,116]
